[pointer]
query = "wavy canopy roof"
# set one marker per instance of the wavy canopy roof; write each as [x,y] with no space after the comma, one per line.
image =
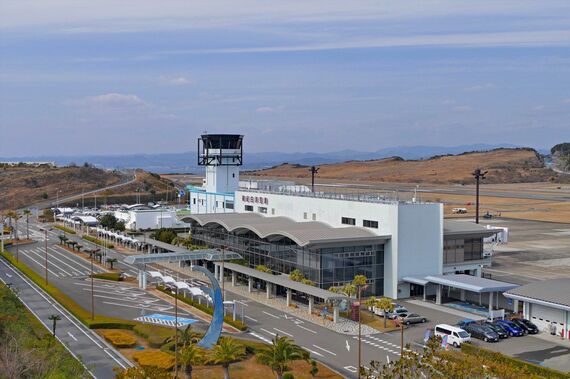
[275,228]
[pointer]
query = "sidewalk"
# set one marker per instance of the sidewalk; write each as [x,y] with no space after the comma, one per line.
[444,309]
[344,326]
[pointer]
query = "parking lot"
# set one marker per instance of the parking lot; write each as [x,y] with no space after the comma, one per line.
[539,349]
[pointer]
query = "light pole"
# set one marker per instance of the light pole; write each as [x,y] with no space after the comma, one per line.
[45,230]
[176,333]
[57,199]
[55,319]
[17,243]
[478,176]
[92,286]
[313,170]
[222,276]
[359,331]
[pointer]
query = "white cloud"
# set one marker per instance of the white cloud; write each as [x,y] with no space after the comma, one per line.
[116,99]
[462,109]
[480,87]
[269,109]
[176,81]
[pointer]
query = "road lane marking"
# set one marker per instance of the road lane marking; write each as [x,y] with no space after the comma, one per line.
[66,255]
[72,336]
[269,314]
[308,330]
[325,350]
[282,332]
[115,359]
[260,337]
[313,352]
[250,318]
[57,259]
[268,332]
[347,346]
[39,264]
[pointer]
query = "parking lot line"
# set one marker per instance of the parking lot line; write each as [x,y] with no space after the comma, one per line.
[50,263]
[39,264]
[74,269]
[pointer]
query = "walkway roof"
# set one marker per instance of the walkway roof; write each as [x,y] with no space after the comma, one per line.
[284,281]
[471,283]
[207,254]
[554,293]
[457,228]
[302,233]
[415,280]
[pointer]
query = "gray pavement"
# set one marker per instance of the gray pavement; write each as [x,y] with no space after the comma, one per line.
[97,356]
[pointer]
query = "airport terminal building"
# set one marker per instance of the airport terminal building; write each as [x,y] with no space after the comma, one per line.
[331,237]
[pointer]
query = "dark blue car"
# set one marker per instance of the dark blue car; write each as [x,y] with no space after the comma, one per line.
[510,327]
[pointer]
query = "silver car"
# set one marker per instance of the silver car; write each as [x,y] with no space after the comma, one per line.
[412,318]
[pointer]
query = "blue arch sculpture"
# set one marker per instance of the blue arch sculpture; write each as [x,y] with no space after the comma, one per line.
[215,329]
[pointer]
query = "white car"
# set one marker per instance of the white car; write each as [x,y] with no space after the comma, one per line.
[455,336]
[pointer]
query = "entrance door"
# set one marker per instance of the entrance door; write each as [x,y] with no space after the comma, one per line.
[416,290]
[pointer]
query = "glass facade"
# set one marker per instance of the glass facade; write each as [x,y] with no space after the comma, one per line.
[326,267]
[462,250]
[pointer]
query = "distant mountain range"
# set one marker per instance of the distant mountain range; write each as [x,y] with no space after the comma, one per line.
[186,162]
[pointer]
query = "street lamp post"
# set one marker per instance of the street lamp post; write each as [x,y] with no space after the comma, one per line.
[359,331]
[176,333]
[16,242]
[55,319]
[45,230]
[222,276]
[478,176]
[92,287]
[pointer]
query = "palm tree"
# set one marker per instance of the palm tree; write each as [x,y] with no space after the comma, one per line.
[188,356]
[279,354]
[12,215]
[111,261]
[386,305]
[27,213]
[371,303]
[226,352]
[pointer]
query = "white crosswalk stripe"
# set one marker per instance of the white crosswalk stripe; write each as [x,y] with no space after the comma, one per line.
[260,337]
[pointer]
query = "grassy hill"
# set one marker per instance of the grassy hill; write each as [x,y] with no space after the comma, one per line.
[504,166]
[22,186]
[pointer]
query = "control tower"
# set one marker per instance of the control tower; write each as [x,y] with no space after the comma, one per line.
[222,154]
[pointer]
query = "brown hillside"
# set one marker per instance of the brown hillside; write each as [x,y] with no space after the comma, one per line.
[22,186]
[504,166]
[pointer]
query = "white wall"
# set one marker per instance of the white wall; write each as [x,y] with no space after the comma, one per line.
[207,202]
[416,230]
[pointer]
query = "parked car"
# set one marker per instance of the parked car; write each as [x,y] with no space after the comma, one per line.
[465,322]
[412,318]
[380,312]
[455,336]
[397,313]
[497,329]
[481,332]
[511,328]
[525,325]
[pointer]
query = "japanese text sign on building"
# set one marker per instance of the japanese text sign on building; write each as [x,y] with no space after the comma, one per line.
[255,199]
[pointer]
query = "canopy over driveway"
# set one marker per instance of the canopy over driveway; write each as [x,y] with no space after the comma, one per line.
[283,281]
[471,283]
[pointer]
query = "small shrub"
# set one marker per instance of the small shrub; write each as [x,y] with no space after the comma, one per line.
[119,338]
[288,375]
[97,241]
[65,229]
[154,334]
[114,276]
[158,359]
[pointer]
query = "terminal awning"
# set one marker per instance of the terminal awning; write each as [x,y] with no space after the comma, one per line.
[206,254]
[415,280]
[471,283]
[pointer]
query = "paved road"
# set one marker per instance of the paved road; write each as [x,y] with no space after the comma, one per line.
[96,355]
[70,273]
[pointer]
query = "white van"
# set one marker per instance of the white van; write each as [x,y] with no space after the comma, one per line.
[455,336]
[459,210]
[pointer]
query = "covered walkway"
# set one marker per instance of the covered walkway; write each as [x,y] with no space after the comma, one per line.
[280,280]
[464,283]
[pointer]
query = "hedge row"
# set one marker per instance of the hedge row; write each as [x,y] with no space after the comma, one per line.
[158,359]
[114,276]
[204,308]
[514,362]
[100,322]
[154,334]
[97,241]
[119,338]
[65,229]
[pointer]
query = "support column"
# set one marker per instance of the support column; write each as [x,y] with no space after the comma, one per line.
[424,294]
[143,280]
[490,302]
[288,296]
[462,295]
[311,304]
[438,294]
[515,306]
[268,290]
[233,278]
[139,277]
[249,284]
[335,313]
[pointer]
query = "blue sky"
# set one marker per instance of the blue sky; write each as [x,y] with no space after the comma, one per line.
[109,77]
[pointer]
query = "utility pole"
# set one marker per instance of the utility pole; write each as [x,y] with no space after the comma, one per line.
[478,177]
[17,242]
[92,287]
[313,170]
[359,330]
[176,334]
[46,251]
[401,338]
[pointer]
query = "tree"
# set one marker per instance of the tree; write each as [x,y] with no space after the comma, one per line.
[189,356]
[12,215]
[48,215]
[120,226]
[314,370]
[108,221]
[279,354]
[263,268]
[225,353]
[386,305]
[370,303]
[296,275]
[27,213]
[165,235]
[111,261]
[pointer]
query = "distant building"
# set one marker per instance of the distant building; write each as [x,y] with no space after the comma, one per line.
[143,217]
